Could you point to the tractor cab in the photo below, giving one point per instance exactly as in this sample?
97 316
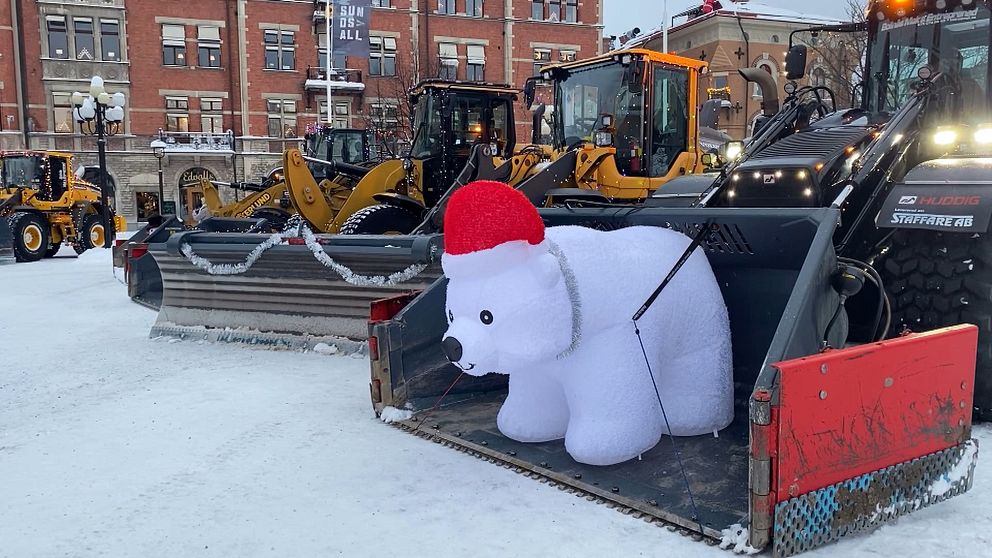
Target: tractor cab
45 173
639 102
450 118
947 40
345 145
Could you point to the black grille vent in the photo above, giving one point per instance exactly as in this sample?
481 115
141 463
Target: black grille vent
822 144
723 239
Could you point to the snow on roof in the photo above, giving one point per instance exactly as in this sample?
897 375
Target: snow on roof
780 14
744 8
335 84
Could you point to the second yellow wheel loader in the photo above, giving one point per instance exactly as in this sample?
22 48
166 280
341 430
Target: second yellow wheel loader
45 205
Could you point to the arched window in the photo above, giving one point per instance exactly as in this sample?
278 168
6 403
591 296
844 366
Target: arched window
768 66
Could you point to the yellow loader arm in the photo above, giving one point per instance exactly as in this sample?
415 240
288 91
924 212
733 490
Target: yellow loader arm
304 192
211 197
311 199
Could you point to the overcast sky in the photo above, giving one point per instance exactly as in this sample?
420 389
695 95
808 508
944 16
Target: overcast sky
621 15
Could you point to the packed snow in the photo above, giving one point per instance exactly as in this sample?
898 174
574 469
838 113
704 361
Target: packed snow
113 444
390 415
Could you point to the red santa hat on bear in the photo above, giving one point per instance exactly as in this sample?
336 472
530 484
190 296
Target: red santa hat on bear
489 226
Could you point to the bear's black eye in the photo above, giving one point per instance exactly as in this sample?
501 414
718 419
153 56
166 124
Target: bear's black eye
486 316
451 316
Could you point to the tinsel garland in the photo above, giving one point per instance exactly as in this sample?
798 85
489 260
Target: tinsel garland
316 249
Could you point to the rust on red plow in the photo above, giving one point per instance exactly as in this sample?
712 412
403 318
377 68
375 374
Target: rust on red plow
862 435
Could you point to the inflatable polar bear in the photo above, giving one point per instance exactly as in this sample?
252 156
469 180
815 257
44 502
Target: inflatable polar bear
553 310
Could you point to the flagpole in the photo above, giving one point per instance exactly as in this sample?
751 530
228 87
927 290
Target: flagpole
664 30
329 15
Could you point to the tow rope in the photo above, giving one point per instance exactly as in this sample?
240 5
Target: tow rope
697 240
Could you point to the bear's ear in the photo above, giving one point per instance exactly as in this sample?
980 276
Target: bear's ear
546 270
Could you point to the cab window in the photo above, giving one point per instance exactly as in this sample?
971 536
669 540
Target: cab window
669 119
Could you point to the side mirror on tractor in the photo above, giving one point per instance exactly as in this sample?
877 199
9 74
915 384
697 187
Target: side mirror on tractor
795 62
530 91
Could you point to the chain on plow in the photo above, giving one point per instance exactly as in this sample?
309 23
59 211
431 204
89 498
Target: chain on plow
316 249
521 469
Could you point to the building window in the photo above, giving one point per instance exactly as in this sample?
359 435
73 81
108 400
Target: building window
473 8
448 53
537 9
446 6
554 10
83 30
208 46
382 56
146 204
380 3
58 37
767 66
280 50
173 45
340 60
177 114
342 113
818 77
476 68
542 56
571 11
62 113
282 118
566 55
110 39
385 114
211 119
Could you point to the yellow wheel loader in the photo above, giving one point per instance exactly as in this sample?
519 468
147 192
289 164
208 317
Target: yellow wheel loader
622 125
45 205
269 199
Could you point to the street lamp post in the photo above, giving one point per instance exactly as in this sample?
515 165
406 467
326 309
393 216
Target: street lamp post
158 147
100 114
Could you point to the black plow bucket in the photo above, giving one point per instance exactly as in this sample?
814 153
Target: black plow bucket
6 243
282 295
772 479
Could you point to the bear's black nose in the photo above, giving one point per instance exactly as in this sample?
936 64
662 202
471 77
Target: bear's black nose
452 349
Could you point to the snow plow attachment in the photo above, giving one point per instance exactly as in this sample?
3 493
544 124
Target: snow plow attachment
823 445
284 290
6 243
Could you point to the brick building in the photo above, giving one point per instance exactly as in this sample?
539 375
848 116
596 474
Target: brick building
232 82
717 38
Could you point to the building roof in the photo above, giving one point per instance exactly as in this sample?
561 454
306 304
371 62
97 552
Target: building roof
744 9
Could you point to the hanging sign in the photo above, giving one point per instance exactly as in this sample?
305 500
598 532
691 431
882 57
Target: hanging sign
351 27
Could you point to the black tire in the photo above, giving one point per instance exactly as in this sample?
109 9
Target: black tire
936 280
52 250
276 218
32 236
381 219
88 235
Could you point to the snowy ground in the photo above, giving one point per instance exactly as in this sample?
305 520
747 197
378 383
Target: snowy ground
142 447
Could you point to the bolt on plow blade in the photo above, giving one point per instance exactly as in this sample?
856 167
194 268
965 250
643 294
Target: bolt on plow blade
780 302
287 292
